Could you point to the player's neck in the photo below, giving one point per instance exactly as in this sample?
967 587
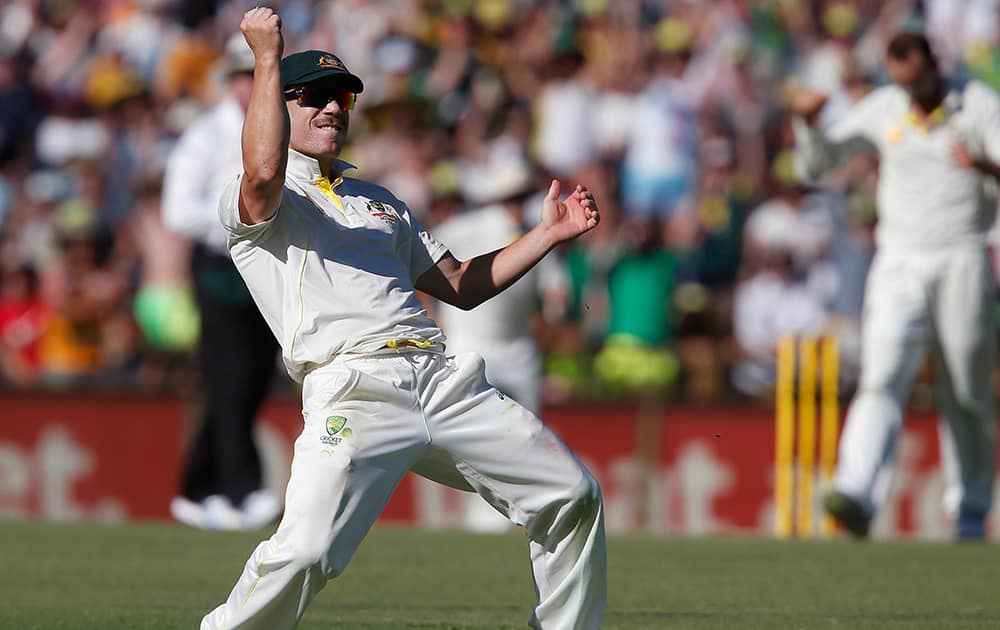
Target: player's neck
927 100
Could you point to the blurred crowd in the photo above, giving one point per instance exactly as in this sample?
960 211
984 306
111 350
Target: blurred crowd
673 112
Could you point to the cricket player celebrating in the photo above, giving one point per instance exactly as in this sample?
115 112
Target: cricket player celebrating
930 286
334 265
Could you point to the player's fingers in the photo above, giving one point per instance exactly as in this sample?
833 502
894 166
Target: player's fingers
255 17
553 190
262 15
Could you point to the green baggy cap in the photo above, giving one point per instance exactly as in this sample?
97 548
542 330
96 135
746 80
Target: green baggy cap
311 65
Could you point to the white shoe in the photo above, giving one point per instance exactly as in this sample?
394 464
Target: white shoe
260 508
220 514
186 511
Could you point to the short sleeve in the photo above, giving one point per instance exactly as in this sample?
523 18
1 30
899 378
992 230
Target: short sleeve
229 213
425 249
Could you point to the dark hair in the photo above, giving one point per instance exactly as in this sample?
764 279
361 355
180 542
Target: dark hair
903 44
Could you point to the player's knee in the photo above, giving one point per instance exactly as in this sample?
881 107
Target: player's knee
575 506
584 495
309 556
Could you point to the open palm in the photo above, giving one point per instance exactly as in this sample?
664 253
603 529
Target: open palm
567 219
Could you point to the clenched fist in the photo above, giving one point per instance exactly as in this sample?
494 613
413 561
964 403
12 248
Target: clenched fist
261 27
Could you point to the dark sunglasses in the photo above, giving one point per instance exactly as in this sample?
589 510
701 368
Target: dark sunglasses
319 96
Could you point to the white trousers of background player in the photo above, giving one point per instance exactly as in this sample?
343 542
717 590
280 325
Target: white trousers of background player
440 417
939 302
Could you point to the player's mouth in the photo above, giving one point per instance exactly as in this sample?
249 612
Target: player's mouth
330 126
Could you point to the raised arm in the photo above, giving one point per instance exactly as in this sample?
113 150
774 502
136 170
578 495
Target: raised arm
470 283
266 127
817 149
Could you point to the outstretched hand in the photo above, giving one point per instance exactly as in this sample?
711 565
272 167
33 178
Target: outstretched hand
261 27
807 104
567 219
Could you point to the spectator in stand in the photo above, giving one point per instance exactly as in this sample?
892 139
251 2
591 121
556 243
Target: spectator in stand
788 283
659 168
222 483
19 109
564 126
22 319
638 356
87 331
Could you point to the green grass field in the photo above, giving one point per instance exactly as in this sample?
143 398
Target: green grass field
164 576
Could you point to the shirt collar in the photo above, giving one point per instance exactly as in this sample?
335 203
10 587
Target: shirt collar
303 167
950 104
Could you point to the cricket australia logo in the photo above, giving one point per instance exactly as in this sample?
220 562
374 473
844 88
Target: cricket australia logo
335 425
325 61
383 212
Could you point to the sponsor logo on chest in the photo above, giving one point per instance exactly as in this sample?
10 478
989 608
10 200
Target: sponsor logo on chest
383 212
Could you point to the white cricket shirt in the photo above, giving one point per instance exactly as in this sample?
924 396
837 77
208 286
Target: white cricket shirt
924 197
333 271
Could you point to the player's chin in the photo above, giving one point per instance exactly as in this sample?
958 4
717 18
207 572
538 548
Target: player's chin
331 147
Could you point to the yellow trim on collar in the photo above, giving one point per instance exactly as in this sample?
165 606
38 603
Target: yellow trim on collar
324 184
933 119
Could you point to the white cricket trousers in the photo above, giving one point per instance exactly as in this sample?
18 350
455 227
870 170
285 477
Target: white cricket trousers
369 419
939 302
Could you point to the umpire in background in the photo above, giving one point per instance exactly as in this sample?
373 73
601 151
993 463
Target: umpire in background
221 483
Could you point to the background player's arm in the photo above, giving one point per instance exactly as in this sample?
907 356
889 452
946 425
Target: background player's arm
266 127
817 149
964 158
467 284
986 157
